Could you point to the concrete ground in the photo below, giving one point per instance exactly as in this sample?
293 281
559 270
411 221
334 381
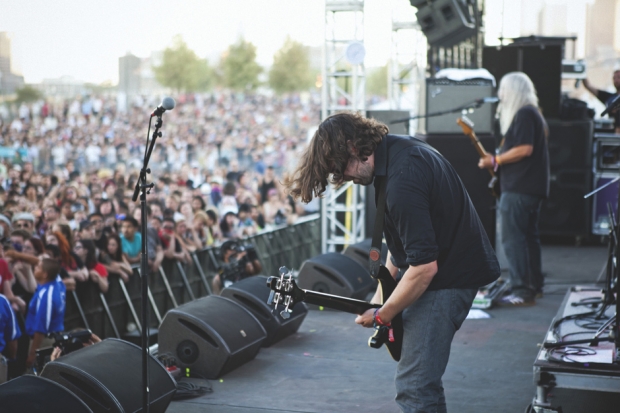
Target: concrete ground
327 367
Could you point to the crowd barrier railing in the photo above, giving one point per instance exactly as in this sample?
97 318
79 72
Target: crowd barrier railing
118 311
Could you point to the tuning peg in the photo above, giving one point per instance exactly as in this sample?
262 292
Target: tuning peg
285 314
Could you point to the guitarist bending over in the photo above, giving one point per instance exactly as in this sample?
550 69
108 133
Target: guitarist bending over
524 163
435 238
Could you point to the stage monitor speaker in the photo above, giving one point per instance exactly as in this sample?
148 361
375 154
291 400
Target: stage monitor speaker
337 274
388 116
108 377
566 212
212 336
461 154
34 394
444 94
359 251
542 64
445 22
252 293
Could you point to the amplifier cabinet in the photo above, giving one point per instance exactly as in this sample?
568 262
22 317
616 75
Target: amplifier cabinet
444 94
606 152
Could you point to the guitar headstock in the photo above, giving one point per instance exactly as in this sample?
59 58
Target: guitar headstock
284 291
466 124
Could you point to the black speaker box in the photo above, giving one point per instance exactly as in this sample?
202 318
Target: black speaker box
252 293
34 394
359 251
542 63
445 22
108 377
212 336
462 155
566 212
337 274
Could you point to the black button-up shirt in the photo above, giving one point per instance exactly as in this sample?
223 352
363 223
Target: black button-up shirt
429 216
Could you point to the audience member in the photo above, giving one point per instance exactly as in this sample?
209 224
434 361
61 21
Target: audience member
46 311
86 250
131 240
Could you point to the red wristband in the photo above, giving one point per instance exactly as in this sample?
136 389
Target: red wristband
378 319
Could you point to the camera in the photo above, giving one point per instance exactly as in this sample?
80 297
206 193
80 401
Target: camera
67 342
235 269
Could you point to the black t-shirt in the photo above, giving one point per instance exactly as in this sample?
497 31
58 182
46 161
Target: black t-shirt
606 98
429 216
531 174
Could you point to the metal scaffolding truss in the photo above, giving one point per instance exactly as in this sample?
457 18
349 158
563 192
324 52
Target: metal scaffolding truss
407 66
343 218
344 80
344 83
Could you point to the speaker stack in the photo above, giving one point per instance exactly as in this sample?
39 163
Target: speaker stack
107 377
566 212
252 293
445 22
461 154
540 59
337 274
212 336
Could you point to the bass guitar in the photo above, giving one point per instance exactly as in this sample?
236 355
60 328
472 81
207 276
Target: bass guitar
284 291
468 129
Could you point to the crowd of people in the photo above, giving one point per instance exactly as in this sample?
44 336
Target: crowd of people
68 176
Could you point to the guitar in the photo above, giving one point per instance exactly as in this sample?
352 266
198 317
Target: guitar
285 291
468 129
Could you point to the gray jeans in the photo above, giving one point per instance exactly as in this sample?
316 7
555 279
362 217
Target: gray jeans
429 327
519 215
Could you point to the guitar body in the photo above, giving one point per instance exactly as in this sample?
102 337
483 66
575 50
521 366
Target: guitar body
284 291
381 336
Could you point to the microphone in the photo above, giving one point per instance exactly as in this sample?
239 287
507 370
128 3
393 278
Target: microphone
166 104
614 104
487 100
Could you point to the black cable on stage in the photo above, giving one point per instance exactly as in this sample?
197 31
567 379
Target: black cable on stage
187 390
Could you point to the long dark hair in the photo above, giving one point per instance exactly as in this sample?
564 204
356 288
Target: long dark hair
118 256
328 153
91 253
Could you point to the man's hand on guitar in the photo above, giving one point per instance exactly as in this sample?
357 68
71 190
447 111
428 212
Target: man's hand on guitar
366 319
486 162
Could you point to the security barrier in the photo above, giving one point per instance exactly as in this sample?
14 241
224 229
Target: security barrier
118 311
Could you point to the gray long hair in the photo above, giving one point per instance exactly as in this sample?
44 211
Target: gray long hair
515 91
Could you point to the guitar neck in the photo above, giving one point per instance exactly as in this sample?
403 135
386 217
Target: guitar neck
479 148
348 305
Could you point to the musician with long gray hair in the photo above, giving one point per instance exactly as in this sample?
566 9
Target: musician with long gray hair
523 163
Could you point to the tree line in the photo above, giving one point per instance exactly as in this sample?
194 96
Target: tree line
183 71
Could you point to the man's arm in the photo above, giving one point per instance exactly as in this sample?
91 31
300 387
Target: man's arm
591 89
413 284
514 154
36 343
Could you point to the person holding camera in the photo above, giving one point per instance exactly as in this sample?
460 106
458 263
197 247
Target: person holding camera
239 262
46 311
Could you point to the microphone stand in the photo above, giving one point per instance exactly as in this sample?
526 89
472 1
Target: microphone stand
471 105
144 188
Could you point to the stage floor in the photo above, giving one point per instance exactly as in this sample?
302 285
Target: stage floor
327 366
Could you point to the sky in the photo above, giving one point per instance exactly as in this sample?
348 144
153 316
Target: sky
85 38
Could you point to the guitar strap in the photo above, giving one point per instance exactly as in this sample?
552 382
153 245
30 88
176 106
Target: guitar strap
374 255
